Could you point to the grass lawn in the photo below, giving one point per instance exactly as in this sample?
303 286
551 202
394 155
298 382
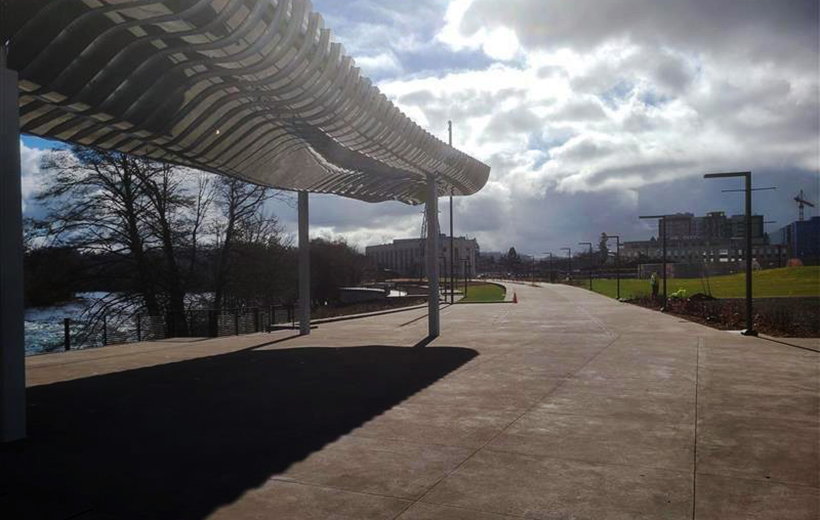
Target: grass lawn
484 292
792 281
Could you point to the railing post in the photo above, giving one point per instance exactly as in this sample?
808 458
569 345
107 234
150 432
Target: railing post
236 321
256 319
139 328
169 327
105 330
213 324
67 334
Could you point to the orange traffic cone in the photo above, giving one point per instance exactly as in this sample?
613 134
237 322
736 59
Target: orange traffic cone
515 298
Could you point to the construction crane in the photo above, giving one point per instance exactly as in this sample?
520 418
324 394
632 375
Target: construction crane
802 203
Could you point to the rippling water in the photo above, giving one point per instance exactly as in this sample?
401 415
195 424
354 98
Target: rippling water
44 325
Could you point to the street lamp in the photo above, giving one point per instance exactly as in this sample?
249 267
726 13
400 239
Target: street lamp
663 232
590 261
747 176
466 274
617 260
569 256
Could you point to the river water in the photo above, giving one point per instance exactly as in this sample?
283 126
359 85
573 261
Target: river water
44 325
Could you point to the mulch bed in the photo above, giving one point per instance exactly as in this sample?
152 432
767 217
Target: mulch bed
778 317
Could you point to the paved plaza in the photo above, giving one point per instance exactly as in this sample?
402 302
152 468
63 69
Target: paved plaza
567 405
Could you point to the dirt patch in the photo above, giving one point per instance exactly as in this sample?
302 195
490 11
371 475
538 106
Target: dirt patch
778 317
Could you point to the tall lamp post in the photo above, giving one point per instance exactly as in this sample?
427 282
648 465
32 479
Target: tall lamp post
617 261
590 261
662 219
747 176
569 257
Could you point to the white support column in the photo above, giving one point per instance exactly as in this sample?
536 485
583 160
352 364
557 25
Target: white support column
433 319
12 339
304 264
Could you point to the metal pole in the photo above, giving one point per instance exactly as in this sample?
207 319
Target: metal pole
12 334
304 265
551 270
452 238
590 261
105 331
750 329
664 261
433 318
67 334
465 277
618 263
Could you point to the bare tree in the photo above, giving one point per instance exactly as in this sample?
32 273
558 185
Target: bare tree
97 205
240 203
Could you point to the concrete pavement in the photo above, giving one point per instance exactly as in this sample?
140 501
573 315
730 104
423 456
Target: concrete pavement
566 405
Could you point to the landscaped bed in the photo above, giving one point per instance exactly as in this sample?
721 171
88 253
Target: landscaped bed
779 317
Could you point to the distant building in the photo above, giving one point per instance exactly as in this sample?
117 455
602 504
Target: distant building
406 256
713 225
694 250
801 239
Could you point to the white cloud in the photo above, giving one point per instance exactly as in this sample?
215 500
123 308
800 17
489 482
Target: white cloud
588 111
379 64
31 178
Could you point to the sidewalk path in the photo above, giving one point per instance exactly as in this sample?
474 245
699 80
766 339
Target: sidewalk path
566 405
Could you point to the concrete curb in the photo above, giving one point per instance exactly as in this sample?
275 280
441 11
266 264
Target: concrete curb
366 315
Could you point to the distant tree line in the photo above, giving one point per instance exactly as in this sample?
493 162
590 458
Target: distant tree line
161 238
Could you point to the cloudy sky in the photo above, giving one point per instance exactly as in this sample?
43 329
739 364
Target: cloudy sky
590 112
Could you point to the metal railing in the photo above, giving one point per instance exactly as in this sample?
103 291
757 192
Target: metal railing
196 323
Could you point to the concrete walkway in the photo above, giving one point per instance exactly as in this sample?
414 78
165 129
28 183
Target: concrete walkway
567 405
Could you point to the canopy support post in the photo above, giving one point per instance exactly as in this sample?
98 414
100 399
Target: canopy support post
304 265
12 334
433 318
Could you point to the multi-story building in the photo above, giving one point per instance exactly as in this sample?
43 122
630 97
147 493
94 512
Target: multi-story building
713 239
801 239
406 256
696 251
713 225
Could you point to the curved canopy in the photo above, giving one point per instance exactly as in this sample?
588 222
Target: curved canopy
254 89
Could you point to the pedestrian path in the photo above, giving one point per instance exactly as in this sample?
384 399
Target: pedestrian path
564 405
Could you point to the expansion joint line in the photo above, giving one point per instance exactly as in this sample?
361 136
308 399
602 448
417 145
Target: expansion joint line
518 418
695 450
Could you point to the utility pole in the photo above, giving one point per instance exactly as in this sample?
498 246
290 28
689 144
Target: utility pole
452 239
590 261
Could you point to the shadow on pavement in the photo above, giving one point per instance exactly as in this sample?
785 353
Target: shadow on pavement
177 441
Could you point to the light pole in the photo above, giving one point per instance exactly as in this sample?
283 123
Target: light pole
747 176
662 219
569 257
466 273
590 261
617 261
